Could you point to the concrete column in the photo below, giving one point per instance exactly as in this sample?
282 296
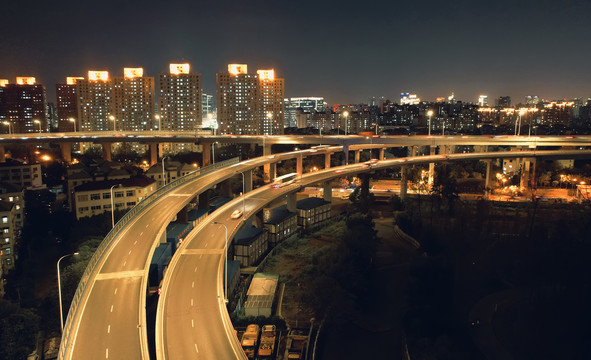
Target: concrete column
206 154
182 215
267 150
204 200
291 202
300 165
106 151
153 153
431 167
527 173
225 188
381 156
327 191
2 154
270 172
248 181
346 154
413 151
66 149
357 155
327 161
403 183
257 220
487 179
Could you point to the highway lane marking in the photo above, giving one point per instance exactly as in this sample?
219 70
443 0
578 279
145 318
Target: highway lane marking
135 242
202 251
129 253
112 308
120 275
196 348
180 195
142 233
107 353
191 302
115 291
109 329
192 323
125 263
195 268
147 226
193 284
205 245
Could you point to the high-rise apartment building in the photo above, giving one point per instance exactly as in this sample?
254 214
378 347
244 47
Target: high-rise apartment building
23 106
532 100
504 101
94 102
249 104
67 105
179 104
132 101
207 106
271 92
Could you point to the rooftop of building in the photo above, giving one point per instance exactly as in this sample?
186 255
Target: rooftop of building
261 291
311 203
247 235
15 163
137 181
278 215
5 205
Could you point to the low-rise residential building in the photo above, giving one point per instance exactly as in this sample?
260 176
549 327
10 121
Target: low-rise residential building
250 244
16 195
312 211
280 224
260 296
18 173
94 198
172 170
8 239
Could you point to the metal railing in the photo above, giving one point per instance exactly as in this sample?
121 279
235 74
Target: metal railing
108 241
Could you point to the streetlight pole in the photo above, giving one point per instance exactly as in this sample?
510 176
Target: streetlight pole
429 114
346 115
74 122
114 120
9 126
59 289
243 195
226 259
163 176
113 206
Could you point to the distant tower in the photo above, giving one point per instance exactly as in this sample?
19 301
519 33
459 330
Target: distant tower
132 102
483 100
238 105
504 101
23 105
94 102
179 99
270 102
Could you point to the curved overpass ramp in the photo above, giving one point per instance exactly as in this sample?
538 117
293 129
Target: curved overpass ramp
192 320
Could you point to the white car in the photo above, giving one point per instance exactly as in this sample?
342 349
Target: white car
236 214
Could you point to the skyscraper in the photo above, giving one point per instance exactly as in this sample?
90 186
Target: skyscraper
132 101
207 105
23 106
67 105
249 104
94 102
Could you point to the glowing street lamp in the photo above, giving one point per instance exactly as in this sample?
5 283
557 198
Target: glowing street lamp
346 114
114 120
429 114
7 123
38 123
159 118
270 119
73 122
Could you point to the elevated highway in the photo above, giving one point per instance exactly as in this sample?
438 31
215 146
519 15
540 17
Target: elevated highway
192 320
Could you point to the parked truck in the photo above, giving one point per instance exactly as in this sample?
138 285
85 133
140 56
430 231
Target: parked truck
267 344
250 339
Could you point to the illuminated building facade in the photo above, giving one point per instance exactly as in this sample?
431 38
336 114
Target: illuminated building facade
504 101
483 100
409 99
207 106
307 105
94 102
67 105
249 104
23 105
179 104
132 101
557 114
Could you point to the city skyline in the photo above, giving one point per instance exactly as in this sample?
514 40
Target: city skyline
343 53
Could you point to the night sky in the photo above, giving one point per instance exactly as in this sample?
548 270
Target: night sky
345 51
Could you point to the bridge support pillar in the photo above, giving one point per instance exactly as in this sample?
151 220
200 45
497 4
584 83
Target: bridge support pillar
66 149
346 154
226 188
327 191
267 150
182 215
153 153
528 173
381 156
291 202
269 171
431 167
300 165
204 200
248 181
106 151
327 161
412 151
357 155
2 154
206 154
487 178
403 183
